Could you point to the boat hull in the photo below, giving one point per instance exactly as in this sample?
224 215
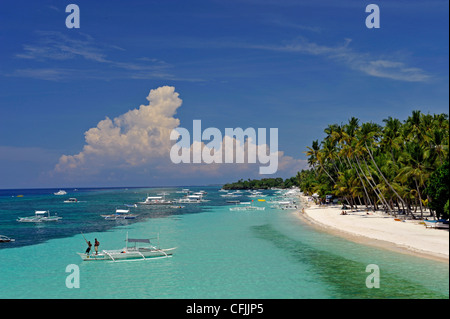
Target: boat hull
156 203
38 220
246 208
140 254
6 240
116 217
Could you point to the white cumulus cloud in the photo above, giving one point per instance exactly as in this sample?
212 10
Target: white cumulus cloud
137 137
137 143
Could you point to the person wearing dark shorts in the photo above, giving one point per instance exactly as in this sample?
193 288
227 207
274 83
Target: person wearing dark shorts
89 247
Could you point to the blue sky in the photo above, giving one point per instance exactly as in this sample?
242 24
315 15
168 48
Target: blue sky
294 65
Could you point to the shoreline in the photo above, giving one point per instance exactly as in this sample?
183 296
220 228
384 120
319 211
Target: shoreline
378 230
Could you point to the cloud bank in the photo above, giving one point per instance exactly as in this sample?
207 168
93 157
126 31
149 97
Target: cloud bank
55 56
360 61
138 142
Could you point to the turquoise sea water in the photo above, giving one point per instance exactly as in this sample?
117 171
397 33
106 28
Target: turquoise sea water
221 253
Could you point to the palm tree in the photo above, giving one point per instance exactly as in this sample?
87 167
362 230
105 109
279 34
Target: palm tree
413 127
389 165
317 157
390 141
414 168
438 147
312 154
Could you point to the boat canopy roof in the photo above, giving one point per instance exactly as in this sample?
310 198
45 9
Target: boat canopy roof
138 240
122 211
41 212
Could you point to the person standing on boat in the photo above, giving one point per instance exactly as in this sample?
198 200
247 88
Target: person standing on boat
96 244
89 247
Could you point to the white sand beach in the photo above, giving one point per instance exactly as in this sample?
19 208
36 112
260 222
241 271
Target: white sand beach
379 229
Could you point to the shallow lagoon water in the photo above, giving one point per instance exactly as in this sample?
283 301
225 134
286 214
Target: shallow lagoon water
221 254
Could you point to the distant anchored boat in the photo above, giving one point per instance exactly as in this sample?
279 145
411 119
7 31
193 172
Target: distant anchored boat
157 200
60 192
5 239
195 198
39 217
120 214
247 207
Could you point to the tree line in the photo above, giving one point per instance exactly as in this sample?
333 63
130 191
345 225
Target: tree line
400 166
265 183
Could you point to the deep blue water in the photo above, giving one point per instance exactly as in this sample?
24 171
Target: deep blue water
83 216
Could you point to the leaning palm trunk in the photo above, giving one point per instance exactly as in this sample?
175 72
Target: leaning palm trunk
374 187
384 178
364 186
420 198
334 182
432 214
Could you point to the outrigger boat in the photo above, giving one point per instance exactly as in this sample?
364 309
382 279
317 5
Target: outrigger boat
128 253
156 200
248 206
196 198
39 217
120 214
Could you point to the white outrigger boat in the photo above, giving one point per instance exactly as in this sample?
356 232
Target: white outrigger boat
196 198
231 195
120 214
157 200
248 206
132 253
39 217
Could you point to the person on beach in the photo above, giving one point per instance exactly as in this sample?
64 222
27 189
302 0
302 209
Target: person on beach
96 244
89 247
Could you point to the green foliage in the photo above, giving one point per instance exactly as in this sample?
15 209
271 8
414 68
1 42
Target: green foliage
446 208
265 183
389 166
438 190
